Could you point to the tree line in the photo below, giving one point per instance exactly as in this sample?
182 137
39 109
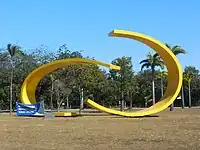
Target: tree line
70 86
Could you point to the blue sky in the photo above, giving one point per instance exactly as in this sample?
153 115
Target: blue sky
84 25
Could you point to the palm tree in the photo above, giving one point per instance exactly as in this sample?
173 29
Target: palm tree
12 50
176 50
188 78
152 61
162 75
182 97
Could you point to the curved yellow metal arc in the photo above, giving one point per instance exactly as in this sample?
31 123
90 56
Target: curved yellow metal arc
174 75
30 83
173 66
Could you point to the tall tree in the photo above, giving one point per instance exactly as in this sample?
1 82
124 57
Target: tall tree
176 49
152 61
189 74
162 75
188 78
62 92
52 79
144 88
12 50
122 77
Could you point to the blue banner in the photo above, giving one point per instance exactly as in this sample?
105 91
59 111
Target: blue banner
30 109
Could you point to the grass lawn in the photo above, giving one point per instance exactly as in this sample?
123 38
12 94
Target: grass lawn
178 130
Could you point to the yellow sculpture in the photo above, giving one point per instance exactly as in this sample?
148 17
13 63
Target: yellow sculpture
32 80
170 60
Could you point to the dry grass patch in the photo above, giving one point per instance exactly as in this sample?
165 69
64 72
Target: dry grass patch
171 130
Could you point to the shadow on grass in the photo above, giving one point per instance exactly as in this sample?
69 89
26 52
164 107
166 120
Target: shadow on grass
118 116
87 115
149 116
95 114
